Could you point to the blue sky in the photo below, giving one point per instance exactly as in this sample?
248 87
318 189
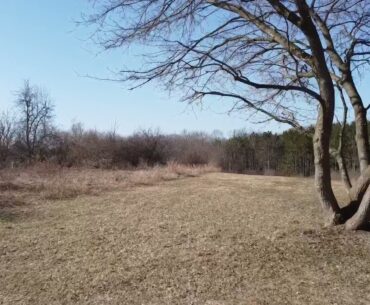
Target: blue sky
41 42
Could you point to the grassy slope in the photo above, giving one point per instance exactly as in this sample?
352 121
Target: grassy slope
217 239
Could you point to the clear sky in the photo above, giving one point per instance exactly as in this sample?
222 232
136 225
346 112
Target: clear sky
41 42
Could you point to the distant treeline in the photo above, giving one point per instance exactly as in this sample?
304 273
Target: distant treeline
32 137
288 153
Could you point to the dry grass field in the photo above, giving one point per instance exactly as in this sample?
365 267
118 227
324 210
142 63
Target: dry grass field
113 237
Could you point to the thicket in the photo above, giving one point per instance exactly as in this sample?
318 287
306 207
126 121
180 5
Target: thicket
288 153
32 137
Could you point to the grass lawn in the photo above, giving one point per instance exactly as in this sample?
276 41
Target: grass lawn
216 239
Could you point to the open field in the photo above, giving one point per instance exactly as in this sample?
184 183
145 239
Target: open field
215 239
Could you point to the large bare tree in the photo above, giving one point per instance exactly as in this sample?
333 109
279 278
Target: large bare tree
276 58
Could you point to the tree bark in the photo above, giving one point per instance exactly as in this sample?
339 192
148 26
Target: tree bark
323 186
362 136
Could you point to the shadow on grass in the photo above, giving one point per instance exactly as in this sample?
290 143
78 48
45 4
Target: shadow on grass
9 186
8 216
10 208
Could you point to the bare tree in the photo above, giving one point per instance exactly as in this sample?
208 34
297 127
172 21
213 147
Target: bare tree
279 59
7 134
35 118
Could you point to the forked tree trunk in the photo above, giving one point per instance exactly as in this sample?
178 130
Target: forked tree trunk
357 211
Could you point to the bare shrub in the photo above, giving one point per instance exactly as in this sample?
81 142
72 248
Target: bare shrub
89 148
7 135
193 149
145 147
34 121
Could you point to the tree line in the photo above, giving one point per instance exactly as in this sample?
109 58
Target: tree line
288 153
31 136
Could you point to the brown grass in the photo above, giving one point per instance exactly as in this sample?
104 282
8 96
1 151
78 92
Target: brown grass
51 182
217 239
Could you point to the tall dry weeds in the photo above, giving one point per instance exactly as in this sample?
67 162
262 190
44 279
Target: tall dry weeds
51 182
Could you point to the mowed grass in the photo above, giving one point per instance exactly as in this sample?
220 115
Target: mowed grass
215 239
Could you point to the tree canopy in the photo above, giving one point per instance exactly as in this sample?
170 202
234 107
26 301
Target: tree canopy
277 58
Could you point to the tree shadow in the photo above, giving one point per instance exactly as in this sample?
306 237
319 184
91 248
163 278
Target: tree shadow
349 210
10 186
8 216
10 208
366 227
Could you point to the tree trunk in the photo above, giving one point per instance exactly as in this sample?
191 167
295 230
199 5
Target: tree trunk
359 188
338 153
362 136
344 174
338 156
321 139
323 186
360 220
